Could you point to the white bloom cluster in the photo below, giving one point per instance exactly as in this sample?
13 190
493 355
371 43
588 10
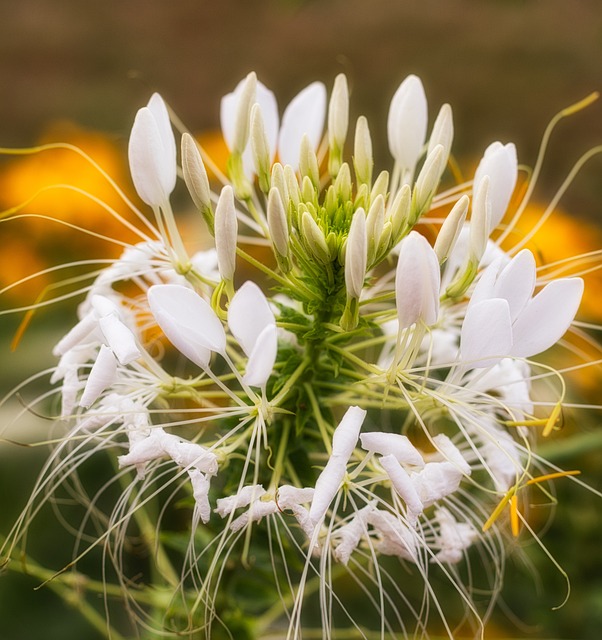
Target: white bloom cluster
368 393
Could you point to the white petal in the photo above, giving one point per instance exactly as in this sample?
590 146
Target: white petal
546 317
516 282
347 432
392 443
499 162
200 493
190 454
119 338
417 281
406 124
436 481
486 333
262 358
187 321
402 483
225 506
303 116
102 376
249 314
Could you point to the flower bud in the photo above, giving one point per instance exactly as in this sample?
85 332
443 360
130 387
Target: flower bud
363 160
381 184
195 177
399 212
443 132
480 220
406 124
277 222
375 222
261 149
417 282
314 238
226 232
356 255
450 229
338 122
308 162
428 181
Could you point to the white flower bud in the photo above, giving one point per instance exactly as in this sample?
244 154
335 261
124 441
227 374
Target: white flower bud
450 229
308 162
338 122
314 238
500 164
246 99
226 232
480 221
443 132
399 211
195 175
152 153
277 222
417 282
375 221
278 181
261 149
381 184
406 124
363 160
428 180
356 255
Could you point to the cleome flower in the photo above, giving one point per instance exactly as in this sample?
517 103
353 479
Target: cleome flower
362 407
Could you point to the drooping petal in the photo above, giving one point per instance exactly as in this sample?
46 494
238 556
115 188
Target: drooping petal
486 335
304 115
417 281
402 483
406 124
102 376
546 318
395 444
187 321
499 162
120 338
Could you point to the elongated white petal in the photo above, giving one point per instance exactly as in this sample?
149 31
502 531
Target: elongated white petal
516 282
402 483
499 162
417 281
249 314
120 338
486 335
546 318
406 123
187 321
344 441
303 116
102 376
392 443
261 361
76 335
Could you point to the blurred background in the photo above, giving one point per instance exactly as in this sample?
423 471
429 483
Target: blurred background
78 71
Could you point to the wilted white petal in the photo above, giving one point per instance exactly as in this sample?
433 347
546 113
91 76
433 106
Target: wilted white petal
200 493
350 534
392 443
102 376
225 506
499 162
187 321
546 318
303 116
190 454
257 510
406 123
76 335
288 496
486 335
145 450
436 481
396 538
453 537
417 281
